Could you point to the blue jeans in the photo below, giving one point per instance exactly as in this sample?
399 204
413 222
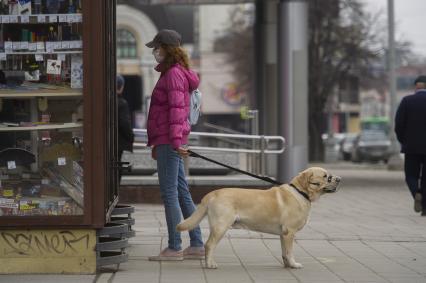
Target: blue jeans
175 195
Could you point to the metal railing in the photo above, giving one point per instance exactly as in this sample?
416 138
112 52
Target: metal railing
263 149
220 129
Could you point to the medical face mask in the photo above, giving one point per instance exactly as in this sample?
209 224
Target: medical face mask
158 57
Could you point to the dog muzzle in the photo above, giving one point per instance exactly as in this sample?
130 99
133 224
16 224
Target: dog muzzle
332 184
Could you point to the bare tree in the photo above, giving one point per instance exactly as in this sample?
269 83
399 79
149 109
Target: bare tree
237 42
342 43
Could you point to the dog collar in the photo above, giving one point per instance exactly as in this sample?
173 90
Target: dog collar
305 195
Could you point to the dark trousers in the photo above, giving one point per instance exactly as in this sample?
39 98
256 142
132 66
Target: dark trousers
415 174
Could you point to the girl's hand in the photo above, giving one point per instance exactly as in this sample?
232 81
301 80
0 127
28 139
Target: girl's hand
154 153
183 152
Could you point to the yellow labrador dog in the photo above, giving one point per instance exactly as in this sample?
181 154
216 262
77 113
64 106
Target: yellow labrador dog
282 210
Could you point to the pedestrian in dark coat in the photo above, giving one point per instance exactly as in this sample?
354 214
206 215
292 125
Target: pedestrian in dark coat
125 130
410 129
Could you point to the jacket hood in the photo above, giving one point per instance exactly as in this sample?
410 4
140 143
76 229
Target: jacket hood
190 75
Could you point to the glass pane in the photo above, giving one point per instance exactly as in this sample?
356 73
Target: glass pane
126 44
41 108
133 52
126 51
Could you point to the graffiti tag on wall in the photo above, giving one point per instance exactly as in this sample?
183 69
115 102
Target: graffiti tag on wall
43 243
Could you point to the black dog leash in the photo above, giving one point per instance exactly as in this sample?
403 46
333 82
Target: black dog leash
266 179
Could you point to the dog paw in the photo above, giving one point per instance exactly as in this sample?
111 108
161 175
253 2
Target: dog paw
286 262
211 265
291 263
296 265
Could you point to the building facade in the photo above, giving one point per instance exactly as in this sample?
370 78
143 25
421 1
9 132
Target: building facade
138 24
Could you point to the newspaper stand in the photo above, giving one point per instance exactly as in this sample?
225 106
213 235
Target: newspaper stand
58 145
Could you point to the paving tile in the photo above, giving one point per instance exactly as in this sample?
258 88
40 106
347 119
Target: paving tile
47 278
228 273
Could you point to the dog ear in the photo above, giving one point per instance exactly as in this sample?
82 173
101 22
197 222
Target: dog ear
302 179
307 175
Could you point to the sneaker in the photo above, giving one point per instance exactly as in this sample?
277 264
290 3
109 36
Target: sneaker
168 255
418 202
194 253
424 213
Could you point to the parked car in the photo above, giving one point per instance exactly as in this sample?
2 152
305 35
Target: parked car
346 146
371 146
332 146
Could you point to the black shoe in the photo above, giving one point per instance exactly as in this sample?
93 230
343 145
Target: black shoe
418 202
424 213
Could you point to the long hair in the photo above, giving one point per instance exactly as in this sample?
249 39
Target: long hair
175 55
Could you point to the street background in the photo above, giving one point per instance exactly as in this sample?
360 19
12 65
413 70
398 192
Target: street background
366 232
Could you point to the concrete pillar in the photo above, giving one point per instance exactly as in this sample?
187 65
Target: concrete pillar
266 65
293 86
266 73
259 58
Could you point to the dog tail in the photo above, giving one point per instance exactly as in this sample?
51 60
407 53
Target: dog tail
196 217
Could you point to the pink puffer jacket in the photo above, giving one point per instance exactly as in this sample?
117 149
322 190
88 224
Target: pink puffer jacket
169 108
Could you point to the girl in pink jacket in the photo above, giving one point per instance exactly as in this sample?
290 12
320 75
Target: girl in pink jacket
168 130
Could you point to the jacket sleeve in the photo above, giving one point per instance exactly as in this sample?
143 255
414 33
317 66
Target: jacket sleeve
400 121
175 84
124 121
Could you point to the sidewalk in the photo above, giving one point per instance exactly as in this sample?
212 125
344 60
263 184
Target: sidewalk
366 232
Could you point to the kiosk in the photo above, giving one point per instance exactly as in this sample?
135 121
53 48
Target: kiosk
58 145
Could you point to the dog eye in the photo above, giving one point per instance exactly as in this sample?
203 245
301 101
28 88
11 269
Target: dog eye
325 176
316 184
